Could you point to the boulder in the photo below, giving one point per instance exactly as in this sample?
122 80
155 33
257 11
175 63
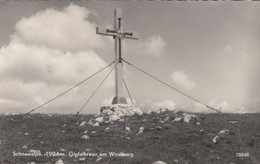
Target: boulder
83 123
114 118
177 119
85 137
223 131
99 119
188 117
140 131
215 139
127 129
96 124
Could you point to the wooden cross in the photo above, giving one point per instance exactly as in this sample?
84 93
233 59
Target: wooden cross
118 35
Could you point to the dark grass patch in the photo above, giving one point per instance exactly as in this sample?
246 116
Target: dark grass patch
162 139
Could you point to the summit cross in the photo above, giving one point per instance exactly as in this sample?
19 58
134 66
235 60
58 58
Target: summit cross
118 34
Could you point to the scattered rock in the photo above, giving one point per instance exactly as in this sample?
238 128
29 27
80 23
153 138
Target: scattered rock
140 131
96 124
161 110
127 129
167 118
159 162
114 118
162 122
24 147
63 131
93 132
42 142
188 117
83 123
26 134
59 162
215 139
158 128
62 150
31 163
91 122
107 129
99 119
198 123
64 125
233 121
223 131
85 131
85 137
177 119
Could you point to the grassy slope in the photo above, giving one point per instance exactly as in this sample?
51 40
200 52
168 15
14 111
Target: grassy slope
178 142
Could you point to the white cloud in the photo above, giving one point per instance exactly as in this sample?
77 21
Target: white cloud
222 106
149 105
166 104
66 30
198 107
182 79
48 53
154 46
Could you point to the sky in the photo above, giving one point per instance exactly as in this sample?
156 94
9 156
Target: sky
208 50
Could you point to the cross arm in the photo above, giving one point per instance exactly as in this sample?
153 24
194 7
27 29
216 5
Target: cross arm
105 31
131 35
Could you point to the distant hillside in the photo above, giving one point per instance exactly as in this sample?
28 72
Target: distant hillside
167 136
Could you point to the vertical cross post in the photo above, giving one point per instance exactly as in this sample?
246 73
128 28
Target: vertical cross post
118 35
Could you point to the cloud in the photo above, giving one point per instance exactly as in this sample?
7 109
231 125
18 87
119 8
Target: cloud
48 53
166 104
66 30
182 79
222 106
153 46
149 105
198 107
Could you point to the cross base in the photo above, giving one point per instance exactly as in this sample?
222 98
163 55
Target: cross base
119 100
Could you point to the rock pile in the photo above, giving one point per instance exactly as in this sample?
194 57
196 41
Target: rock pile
117 112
